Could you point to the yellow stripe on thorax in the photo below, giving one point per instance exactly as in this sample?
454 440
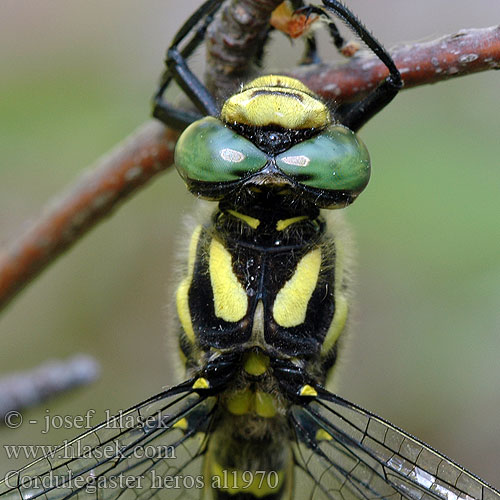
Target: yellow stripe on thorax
337 325
290 306
341 305
230 299
182 296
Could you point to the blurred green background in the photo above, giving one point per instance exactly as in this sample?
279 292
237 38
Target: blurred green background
76 78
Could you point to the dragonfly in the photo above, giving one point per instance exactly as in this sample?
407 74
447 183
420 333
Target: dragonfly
262 310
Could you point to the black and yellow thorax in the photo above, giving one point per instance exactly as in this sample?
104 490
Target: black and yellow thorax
259 284
266 284
264 273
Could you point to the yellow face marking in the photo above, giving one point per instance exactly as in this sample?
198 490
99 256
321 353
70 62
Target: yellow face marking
283 224
252 222
181 424
230 299
249 483
201 383
291 302
279 81
322 435
276 100
256 363
240 403
182 296
307 390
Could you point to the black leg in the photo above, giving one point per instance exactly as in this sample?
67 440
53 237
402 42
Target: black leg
178 70
355 115
310 55
335 35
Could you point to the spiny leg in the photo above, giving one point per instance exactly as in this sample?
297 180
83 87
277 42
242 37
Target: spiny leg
355 115
178 70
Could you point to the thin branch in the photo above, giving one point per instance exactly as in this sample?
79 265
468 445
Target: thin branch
94 196
150 150
463 53
19 391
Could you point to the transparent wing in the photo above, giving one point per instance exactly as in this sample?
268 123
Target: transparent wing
344 452
153 449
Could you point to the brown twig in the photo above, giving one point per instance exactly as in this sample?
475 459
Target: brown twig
150 150
463 53
26 389
94 195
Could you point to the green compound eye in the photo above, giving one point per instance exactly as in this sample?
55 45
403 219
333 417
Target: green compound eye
335 160
208 151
